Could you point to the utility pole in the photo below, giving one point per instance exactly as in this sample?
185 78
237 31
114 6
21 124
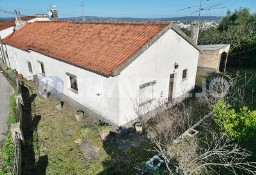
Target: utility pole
83 9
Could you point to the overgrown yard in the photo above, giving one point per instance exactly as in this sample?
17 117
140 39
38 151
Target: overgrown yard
62 145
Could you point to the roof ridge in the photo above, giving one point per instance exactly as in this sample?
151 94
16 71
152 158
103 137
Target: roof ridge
111 22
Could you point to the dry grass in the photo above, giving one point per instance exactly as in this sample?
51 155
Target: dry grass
57 133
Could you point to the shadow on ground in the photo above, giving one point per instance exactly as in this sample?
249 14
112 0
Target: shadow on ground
128 151
30 150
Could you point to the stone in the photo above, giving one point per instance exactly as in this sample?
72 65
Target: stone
89 151
78 141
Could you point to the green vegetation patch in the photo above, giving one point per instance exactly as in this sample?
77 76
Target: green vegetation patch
7 151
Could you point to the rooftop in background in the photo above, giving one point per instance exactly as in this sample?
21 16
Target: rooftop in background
212 47
100 47
11 23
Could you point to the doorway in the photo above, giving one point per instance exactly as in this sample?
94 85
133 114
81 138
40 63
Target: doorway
171 86
223 61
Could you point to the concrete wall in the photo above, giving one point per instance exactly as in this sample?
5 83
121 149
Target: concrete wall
209 60
156 64
114 98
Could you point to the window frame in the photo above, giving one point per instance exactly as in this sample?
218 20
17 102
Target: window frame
142 88
42 68
73 83
30 69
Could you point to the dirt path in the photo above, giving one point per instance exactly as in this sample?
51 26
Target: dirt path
5 91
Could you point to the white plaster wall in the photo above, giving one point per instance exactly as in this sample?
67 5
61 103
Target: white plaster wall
96 92
19 60
4 33
157 63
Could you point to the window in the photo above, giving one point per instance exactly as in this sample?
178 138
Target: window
146 92
185 74
73 81
30 67
42 68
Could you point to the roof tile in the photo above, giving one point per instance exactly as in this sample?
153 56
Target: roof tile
97 46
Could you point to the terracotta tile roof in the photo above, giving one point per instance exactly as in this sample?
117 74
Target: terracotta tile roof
100 47
10 23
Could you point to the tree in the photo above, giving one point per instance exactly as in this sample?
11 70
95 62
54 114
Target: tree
238 29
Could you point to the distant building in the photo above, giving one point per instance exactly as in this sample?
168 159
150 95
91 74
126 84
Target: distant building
41 16
106 69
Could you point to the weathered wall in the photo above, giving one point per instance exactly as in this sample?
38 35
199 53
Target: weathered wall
209 59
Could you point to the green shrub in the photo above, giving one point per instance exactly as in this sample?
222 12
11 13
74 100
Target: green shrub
7 154
237 124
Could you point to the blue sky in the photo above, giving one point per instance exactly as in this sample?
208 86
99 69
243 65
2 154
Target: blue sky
123 8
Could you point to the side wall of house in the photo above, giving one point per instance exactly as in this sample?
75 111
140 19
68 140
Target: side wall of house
97 93
93 89
156 65
18 59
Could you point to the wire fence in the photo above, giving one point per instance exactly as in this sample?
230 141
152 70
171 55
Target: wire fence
17 155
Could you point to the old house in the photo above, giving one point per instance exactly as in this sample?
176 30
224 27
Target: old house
213 58
106 68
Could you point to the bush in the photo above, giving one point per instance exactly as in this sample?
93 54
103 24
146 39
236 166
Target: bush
7 154
237 124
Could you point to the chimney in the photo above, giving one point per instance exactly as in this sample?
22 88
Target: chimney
195 31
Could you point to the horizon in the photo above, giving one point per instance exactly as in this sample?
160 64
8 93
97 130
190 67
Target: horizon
127 17
124 9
